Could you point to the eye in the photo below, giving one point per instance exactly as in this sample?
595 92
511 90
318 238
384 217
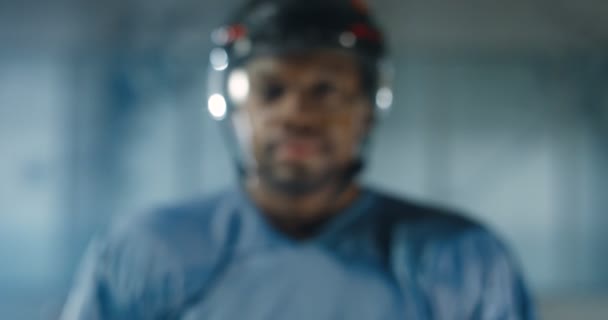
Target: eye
323 89
273 91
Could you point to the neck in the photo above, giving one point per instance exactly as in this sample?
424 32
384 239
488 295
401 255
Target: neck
301 216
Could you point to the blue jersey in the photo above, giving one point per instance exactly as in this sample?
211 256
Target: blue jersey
382 258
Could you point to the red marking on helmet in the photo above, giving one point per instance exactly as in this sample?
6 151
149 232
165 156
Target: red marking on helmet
236 32
360 5
364 31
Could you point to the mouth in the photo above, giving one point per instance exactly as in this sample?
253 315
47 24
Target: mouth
298 149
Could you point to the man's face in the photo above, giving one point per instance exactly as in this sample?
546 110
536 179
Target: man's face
305 117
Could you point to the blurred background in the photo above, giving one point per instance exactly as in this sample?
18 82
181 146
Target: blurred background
501 111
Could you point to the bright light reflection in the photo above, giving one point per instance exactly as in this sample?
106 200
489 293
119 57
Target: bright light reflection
238 85
217 106
348 40
219 59
384 98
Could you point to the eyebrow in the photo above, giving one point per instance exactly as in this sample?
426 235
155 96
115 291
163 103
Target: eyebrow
264 75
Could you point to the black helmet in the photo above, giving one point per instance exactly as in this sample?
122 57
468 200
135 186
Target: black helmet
281 26
272 25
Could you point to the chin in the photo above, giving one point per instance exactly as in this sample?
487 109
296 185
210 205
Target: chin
297 182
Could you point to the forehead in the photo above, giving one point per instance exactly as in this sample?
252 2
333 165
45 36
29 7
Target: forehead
327 62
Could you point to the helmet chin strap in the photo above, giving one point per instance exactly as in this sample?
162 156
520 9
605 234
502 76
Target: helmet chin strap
353 169
348 176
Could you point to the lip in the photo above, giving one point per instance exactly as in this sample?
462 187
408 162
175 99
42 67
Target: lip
298 149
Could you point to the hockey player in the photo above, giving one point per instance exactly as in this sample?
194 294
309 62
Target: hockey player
296 86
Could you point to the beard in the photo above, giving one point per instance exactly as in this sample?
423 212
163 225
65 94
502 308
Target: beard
294 179
300 181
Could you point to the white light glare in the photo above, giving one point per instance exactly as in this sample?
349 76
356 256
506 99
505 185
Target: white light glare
348 39
220 36
217 106
219 59
384 98
238 85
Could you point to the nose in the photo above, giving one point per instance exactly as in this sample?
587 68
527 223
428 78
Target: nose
297 104
299 114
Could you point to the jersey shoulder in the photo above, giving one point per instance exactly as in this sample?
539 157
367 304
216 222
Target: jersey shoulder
455 258
428 228
160 258
425 218
180 223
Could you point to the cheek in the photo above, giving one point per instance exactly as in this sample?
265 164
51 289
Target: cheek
347 135
258 135
242 126
249 133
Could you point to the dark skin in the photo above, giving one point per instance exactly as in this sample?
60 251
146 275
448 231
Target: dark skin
303 121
